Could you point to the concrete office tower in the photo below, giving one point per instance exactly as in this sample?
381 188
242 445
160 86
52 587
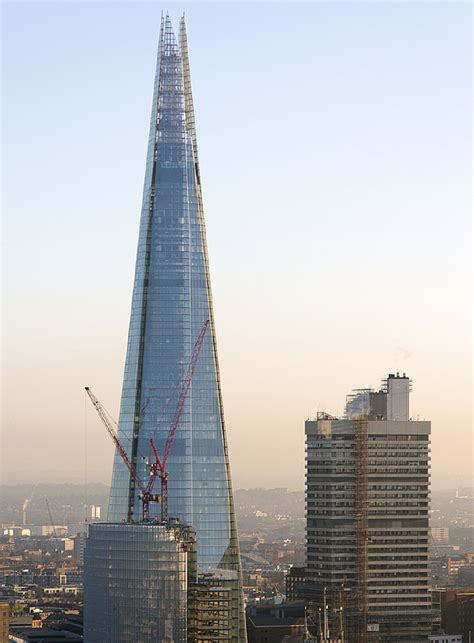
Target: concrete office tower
171 303
367 495
136 579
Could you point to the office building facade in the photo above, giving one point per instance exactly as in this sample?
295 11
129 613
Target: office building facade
367 494
137 578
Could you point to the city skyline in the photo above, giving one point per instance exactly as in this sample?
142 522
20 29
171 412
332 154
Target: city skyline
344 235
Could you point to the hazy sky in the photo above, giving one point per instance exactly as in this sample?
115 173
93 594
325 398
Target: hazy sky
335 149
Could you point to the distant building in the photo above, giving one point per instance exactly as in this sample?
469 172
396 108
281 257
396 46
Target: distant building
78 548
136 579
466 576
295 583
62 589
456 563
16 531
367 484
67 544
457 611
36 621
440 535
4 622
58 531
45 635
453 564
275 623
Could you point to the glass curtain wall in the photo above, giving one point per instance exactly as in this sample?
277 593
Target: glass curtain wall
136 579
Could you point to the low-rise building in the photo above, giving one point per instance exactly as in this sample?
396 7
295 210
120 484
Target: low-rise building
457 610
78 548
43 635
440 535
295 583
274 623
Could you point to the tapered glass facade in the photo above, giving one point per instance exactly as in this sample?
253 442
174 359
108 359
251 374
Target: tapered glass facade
171 302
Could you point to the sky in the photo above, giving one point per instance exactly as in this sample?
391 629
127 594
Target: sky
335 152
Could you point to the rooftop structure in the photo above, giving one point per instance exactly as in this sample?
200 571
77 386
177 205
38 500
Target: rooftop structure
274 623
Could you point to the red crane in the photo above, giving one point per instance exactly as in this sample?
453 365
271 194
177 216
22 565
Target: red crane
146 491
157 467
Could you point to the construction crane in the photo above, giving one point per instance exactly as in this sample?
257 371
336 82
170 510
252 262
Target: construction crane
53 526
157 468
146 491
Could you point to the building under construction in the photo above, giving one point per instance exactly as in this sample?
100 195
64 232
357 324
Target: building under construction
367 496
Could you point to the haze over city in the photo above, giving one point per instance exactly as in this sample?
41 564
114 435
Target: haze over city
337 198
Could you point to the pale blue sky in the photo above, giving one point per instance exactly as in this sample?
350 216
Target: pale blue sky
335 147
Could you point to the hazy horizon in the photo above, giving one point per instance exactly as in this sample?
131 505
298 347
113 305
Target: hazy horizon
91 483
335 152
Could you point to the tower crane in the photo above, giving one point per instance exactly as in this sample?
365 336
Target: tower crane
53 526
156 468
146 491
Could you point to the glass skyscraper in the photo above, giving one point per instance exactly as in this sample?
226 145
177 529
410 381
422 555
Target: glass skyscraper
171 302
137 580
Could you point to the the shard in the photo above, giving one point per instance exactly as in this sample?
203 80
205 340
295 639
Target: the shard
171 302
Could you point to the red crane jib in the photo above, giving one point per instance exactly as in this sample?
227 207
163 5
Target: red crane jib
157 467
184 392
106 420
